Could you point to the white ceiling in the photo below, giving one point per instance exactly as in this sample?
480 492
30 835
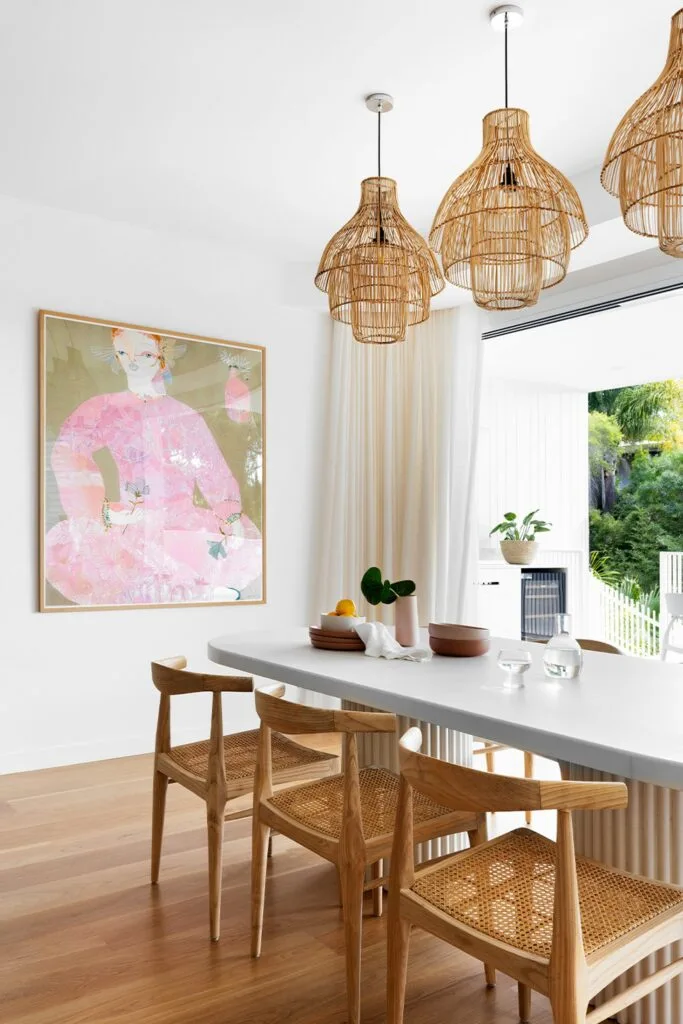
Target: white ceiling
633 344
245 122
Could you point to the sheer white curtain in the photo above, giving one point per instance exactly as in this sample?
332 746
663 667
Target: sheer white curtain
398 477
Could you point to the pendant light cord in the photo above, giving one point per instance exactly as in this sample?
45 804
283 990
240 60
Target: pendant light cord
379 143
506 60
380 229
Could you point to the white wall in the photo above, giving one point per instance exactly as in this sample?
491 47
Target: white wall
533 453
76 686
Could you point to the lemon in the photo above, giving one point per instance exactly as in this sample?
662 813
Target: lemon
331 613
346 607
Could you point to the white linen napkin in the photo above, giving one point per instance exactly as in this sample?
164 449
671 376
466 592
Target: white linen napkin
379 643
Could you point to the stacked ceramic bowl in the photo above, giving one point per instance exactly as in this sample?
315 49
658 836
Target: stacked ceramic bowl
337 633
455 641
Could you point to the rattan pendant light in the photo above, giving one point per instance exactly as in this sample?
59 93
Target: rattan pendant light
507 225
644 161
379 273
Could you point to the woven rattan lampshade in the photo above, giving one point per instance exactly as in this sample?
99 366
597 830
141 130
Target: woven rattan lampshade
506 226
378 271
644 161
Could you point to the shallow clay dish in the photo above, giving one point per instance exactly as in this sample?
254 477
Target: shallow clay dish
324 643
454 641
454 631
329 634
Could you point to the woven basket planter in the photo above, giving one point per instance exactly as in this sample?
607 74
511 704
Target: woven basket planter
519 552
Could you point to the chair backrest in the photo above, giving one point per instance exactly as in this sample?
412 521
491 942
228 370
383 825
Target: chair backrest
465 789
170 678
289 717
598 645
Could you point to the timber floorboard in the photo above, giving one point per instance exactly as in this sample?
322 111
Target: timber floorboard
85 938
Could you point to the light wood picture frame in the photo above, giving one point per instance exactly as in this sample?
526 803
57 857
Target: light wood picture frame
152 467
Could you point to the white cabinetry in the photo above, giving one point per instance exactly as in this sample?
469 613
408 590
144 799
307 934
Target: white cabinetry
499 595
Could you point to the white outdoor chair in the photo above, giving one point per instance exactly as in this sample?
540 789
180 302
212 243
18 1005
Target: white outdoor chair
674 606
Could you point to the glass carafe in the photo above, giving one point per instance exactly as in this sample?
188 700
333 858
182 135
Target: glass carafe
562 658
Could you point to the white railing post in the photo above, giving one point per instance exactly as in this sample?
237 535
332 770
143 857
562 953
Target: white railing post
670 582
619 620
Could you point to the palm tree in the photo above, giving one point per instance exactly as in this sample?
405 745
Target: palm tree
645 411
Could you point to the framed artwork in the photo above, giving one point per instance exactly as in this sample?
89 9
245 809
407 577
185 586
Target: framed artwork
152 467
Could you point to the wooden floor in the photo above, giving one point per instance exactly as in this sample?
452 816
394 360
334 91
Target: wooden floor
85 938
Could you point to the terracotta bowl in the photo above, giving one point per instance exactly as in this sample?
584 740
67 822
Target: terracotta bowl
454 641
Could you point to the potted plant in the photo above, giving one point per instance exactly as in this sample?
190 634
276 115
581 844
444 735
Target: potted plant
377 590
518 543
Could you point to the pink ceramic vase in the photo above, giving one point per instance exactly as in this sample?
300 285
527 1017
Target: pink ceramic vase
407 629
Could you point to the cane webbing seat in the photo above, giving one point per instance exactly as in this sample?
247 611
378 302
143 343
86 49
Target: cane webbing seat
318 805
349 818
505 890
219 770
240 756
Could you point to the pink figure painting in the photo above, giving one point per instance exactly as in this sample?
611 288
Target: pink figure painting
237 394
154 543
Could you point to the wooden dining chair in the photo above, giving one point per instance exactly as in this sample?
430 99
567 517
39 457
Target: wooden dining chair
598 645
560 924
489 749
217 770
347 819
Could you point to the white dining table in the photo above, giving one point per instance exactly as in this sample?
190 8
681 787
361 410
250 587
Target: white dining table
622 719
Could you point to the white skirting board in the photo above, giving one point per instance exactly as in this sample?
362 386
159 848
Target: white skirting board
645 839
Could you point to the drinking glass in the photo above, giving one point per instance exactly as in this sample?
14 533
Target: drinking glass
514 663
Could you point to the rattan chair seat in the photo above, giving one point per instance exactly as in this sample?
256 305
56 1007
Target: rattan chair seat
240 756
318 805
505 889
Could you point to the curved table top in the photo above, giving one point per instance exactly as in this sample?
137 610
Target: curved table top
623 715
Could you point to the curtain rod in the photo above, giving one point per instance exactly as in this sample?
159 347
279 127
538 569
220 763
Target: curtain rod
588 310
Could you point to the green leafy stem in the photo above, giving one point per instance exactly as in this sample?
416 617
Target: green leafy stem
512 529
377 590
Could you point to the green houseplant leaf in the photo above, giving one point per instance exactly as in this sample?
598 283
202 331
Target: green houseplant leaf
403 588
377 590
372 586
511 529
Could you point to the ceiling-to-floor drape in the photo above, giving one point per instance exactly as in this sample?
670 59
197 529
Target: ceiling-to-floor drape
397 486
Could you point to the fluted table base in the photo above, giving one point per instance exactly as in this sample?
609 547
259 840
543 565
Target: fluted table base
646 839
382 749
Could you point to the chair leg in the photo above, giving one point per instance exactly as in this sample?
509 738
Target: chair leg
490 760
376 871
476 838
352 877
524 998
398 946
160 788
260 841
568 1012
214 823
528 774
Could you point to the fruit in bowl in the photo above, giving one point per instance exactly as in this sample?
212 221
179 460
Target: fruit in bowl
343 619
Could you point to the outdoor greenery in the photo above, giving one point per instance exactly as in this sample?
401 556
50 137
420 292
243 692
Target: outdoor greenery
636 466
644 412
